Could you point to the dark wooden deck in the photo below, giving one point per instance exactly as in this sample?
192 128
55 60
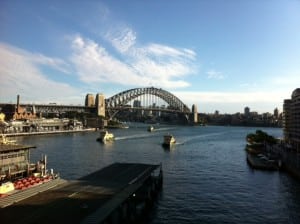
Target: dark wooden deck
88 200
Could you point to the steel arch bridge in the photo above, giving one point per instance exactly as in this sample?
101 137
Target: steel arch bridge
120 100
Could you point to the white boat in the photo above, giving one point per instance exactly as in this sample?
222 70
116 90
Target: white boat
169 140
150 128
105 136
6 187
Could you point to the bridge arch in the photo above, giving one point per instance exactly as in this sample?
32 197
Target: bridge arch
125 97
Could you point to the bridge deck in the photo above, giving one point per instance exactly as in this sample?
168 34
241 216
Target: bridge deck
88 199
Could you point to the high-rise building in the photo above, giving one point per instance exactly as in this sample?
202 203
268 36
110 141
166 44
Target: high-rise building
89 100
100 104
291 120
247 111
276 113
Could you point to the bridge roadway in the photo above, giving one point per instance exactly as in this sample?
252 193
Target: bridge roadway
89 199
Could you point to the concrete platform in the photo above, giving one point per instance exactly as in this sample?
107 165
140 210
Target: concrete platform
89 199
260 164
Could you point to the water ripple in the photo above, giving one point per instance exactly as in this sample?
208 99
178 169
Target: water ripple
206 177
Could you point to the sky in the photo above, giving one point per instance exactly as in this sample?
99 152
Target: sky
219 55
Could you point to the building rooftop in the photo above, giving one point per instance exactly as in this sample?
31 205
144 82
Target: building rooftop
296 93
14 147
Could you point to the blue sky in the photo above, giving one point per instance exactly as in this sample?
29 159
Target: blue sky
217 54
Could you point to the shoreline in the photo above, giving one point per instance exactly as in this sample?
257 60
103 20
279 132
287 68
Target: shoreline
47 132
284 159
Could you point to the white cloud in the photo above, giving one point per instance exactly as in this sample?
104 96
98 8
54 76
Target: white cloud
234 101
162 50
55 63
248 85
212 74
286 80
20 74
121 39
154 64
95 64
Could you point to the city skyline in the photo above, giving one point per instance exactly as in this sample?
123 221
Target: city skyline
219 56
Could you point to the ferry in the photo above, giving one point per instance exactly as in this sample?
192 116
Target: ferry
169 140
16 171
105 136
150 128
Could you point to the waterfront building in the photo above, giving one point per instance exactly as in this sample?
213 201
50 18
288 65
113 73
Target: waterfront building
14 160
276 113
247 111
17 112
138 104
41 125
291 120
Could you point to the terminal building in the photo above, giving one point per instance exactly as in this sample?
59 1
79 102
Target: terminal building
14 160
291 120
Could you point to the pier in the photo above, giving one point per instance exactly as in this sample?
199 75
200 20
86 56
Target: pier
17 134
119 193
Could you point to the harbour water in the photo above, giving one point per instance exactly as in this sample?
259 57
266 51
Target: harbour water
206 176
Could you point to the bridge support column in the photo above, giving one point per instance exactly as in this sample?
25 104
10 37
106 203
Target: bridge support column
195 113
100 105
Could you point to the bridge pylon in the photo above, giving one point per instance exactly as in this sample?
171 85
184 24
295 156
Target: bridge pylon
100 105
194 114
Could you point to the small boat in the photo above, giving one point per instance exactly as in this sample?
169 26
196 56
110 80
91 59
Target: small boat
6 187
168 140
150 128
105 136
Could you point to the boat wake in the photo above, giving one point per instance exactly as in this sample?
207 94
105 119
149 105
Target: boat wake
133 136
163 129
188 139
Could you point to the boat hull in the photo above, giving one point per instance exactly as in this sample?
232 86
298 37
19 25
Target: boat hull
169 140
105 136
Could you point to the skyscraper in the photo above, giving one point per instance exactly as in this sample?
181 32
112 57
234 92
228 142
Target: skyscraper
291 120
276 113
247 111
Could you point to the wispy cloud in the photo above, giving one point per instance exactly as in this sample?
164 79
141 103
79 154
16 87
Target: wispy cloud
121 39
35 58
151 64
163 50
95 64
213 74
54 63
263 101
286 80
20 74
248 85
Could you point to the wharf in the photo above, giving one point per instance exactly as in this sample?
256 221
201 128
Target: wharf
261 164
110 195
47 132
